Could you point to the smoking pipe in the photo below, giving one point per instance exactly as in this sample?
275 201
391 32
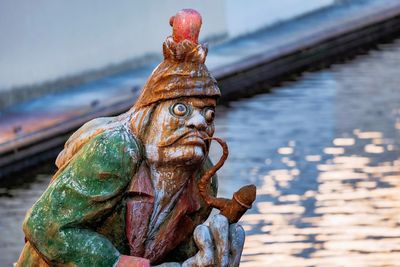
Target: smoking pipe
241 201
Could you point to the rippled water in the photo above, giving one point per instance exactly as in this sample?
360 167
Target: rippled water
324 154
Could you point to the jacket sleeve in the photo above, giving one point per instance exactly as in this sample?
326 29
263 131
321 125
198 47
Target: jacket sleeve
60 223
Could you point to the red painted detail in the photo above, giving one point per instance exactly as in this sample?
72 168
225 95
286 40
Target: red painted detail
139 207
186 25
130 261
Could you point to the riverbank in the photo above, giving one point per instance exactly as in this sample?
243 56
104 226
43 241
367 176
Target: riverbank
36 130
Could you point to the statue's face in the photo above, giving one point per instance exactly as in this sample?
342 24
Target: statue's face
178 130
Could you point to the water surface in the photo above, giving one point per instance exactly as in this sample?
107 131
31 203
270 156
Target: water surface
324 154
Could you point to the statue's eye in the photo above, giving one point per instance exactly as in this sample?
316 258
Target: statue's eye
209 115
180 109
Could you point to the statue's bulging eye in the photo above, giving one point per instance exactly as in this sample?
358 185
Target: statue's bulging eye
179 109
209 115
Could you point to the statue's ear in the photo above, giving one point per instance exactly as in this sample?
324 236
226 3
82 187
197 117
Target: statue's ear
140 119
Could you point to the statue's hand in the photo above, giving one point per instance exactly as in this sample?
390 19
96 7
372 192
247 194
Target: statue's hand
220 244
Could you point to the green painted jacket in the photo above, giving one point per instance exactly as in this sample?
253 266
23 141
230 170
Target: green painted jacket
80 219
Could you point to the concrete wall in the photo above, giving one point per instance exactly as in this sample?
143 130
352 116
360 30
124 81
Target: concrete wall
45 40
247 16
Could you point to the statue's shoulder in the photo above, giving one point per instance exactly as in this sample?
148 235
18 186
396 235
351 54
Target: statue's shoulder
122 138
104 132
115 150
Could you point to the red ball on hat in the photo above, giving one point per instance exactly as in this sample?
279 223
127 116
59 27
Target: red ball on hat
186 25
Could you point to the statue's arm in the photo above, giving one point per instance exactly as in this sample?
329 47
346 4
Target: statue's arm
60 224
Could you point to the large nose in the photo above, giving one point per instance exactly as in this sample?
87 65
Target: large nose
197 121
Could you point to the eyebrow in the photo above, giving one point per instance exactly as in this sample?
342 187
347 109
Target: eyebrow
202 103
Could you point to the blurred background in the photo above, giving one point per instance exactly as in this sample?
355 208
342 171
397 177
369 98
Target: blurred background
51 40
310 110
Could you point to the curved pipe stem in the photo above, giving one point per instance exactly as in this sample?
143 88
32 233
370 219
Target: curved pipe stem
234 208
218 203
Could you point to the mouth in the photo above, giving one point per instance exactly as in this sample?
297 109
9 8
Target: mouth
190 138
194 140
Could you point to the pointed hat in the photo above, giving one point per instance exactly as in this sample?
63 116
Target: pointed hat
182 72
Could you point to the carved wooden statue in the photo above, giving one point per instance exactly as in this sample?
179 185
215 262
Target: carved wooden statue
134 190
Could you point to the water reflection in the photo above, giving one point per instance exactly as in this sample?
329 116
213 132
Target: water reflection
324 153
15 199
